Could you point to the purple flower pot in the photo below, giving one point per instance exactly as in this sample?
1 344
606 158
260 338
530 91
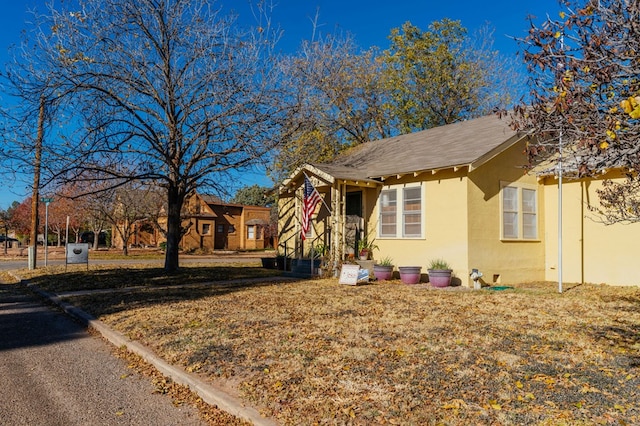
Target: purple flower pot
439 277
383 272
410 274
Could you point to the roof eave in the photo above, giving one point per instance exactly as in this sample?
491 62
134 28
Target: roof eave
290 182
497 150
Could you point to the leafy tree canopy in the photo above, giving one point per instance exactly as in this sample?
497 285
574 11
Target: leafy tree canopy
254 195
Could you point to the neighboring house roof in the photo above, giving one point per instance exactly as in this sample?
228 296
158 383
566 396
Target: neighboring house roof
210 199
464 144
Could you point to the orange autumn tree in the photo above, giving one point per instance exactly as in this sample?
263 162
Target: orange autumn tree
585 97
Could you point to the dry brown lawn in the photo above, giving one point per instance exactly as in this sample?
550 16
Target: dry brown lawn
317 352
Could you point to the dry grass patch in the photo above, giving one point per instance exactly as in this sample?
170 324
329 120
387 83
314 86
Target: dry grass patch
103 276
316 352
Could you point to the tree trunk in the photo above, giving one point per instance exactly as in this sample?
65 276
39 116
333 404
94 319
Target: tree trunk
35 195
174 228
96 239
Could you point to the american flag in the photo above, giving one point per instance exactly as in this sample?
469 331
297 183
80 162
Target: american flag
309 203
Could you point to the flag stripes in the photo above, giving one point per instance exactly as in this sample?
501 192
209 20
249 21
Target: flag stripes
310 201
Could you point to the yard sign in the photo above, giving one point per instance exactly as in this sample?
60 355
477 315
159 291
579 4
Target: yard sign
77 253
349 274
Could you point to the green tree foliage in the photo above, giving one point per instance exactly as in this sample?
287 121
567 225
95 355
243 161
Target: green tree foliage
585 96
254 195
442 75
8 219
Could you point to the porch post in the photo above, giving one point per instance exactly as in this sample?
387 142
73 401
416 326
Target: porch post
343 216
336 225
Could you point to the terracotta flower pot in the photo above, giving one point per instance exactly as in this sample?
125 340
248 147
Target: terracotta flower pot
439 277
410 274
383 272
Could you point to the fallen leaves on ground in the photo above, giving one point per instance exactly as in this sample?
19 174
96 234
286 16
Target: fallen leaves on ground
181 395
316 352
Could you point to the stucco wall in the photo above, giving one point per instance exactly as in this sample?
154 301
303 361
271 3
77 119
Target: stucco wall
591 251
502 261
444 225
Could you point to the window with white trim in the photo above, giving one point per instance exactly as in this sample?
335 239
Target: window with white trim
400 212
412 212
388 213
519 212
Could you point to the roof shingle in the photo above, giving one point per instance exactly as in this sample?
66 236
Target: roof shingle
456 144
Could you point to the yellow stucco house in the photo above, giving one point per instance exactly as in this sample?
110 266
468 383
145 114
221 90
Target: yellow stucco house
459 192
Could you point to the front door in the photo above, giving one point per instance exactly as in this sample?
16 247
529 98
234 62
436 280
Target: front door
354 222
220 239
354 203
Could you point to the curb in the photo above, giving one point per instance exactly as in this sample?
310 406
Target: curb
208 393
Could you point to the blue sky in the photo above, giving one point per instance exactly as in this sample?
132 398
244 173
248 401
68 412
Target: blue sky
369 21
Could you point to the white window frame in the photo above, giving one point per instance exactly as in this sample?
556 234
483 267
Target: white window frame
389 191
401 214
411 214
521 211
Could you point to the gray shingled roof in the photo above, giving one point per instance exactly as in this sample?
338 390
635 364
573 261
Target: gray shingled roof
457 144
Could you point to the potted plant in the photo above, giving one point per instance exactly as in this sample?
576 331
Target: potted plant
410 274
383 270
365 248
439 273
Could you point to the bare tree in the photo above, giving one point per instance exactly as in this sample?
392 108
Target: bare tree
127 207
175 91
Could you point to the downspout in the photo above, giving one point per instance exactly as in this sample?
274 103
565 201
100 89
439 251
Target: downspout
583 189
560 216
343 203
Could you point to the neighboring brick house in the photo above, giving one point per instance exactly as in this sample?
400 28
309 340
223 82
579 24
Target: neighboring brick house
212 225
215 225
